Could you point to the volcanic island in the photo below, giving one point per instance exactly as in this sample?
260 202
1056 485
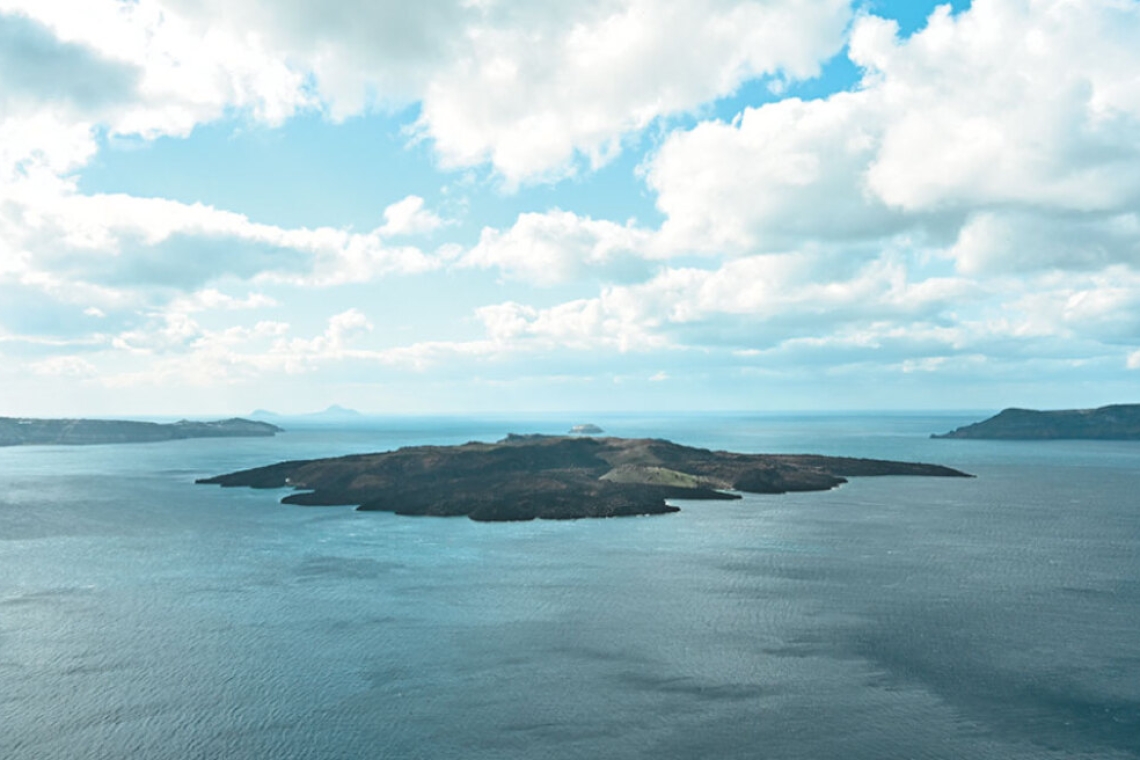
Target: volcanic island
524 477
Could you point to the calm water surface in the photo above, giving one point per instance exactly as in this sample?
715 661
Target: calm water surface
143 616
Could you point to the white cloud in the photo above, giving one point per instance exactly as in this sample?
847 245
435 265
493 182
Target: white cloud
178 349
763 312
342 329
190 69
125 243
37 146
175 330
1102 306
529 97
1012 112
1029 102
612 321
994 242
780 174
64 366
556 247
807 309
409 217
973 203
212 299
525 87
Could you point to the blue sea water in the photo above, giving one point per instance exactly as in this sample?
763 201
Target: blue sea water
142 616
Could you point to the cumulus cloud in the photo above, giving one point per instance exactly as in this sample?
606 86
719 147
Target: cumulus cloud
409 217
777 175
178 349
120 242
189 69
744 304
803 310
342 329
36 68
1026 102
974 201
557 246
1020 241
607 322
529 97
1001 140
524 87
1010 112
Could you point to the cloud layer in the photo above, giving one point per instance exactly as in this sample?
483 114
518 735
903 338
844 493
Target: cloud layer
971 208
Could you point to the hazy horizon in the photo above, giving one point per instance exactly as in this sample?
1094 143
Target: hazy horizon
323 416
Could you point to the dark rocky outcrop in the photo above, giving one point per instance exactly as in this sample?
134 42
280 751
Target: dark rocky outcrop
15 431
524 477
1117 422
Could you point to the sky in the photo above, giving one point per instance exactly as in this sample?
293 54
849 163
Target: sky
472 206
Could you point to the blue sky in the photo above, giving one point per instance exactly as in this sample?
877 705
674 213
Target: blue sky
210 206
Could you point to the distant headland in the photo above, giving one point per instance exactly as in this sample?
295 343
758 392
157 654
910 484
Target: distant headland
1116 422
524 477
18 431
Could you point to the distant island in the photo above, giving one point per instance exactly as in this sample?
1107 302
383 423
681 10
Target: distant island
18 431
1117 422
524 477
333 414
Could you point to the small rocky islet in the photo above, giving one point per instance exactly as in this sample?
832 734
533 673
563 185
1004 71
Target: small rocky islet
524 477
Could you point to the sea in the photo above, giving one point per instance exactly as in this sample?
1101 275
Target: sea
143 616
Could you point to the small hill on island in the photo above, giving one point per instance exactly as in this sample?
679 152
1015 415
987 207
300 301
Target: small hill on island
1116 422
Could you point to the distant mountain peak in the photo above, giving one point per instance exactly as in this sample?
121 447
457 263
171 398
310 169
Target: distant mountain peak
333 412
341 411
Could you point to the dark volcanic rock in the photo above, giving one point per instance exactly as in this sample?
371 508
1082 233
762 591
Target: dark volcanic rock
1118 422
27 432
524 477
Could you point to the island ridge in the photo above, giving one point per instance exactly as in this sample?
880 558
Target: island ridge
1119 422
21 431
